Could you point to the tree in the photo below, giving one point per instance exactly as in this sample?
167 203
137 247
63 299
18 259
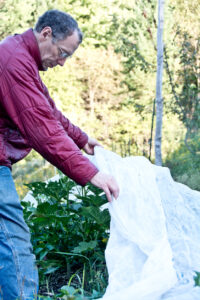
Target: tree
182 61
159 99
186 99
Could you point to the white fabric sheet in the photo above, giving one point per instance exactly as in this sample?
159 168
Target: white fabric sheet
154 244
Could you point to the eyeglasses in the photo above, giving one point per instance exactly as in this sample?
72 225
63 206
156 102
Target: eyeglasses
62 53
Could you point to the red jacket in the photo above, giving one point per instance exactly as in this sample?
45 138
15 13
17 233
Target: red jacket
28 116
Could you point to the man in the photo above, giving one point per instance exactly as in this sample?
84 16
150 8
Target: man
29 119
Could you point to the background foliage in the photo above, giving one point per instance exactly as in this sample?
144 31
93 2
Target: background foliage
108 87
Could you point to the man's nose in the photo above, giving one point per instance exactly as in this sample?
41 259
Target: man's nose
61 61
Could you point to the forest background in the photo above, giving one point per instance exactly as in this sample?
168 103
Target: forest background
108 87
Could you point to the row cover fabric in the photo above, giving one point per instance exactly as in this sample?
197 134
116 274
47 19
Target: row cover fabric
154 244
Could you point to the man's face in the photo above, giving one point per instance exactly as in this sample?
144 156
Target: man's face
56 53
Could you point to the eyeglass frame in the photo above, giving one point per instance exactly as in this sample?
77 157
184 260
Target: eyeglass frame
63 54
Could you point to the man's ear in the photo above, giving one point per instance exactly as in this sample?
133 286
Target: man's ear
46 33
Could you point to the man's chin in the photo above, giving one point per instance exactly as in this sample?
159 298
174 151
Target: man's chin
44 67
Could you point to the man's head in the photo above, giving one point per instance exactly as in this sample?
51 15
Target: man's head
58 36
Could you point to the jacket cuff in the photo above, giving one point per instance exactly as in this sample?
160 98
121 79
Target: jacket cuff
81 170
85 180
82 141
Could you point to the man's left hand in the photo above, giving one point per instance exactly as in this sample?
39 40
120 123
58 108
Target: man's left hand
89 147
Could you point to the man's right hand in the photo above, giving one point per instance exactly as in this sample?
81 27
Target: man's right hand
107 183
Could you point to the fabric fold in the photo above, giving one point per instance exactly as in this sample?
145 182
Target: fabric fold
151 249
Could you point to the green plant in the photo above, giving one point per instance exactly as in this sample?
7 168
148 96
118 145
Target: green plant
185 166
69 231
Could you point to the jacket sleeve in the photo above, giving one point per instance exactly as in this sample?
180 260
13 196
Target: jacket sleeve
79 137
31 112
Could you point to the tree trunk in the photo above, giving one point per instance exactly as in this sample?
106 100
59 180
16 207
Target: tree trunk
159 99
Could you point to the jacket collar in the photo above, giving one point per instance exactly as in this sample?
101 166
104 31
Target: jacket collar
32 45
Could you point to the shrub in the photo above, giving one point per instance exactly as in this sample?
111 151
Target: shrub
185 166
69 231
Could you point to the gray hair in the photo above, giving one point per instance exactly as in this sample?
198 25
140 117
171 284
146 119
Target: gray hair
61 23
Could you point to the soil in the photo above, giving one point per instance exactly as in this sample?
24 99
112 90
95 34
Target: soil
54 282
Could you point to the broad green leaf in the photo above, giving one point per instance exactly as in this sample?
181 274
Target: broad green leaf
68 290
85 246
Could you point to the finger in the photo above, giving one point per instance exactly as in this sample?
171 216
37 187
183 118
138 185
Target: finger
108 194
95 143
114 189
91 150
116 194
